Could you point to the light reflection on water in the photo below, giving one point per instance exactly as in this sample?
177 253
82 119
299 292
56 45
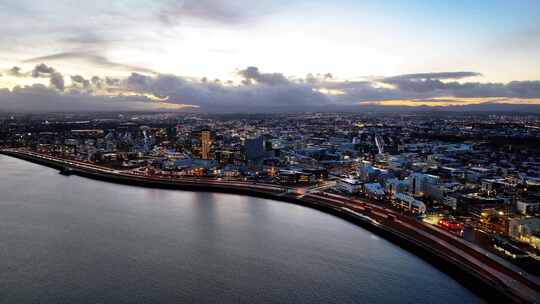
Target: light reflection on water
75 240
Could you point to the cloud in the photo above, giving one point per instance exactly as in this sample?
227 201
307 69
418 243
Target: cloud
426 82
57 81
427 85
525 89
112 81
16 72
219 11
269 92
318 78
252 74
431 76
41 99
42 70
79 80
91 58
274 92
97 82
85 38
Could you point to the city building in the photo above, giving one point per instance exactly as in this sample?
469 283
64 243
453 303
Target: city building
410 203
206 143
526 229
349 185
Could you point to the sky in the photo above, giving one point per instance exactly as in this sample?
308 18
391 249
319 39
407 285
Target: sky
266 55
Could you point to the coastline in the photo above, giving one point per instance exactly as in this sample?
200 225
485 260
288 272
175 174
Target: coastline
491 287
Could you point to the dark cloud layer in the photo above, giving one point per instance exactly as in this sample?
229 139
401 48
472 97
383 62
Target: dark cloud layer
267 94
425 87
427 82
38 99
259 91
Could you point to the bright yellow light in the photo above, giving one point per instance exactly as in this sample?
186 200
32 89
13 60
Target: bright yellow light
9 82
452 101
160 102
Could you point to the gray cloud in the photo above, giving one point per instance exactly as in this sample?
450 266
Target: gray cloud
273 92
318 79
16 71
525 89
431 88
57 81
97 82
219 11
112 81
42 70
269 93
39 99
252 74
85 38
91 58
430 76
79 80
427 82
427 85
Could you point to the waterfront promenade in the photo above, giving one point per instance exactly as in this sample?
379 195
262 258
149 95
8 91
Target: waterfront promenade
472 265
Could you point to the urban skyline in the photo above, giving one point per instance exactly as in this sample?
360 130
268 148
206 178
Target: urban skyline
469 181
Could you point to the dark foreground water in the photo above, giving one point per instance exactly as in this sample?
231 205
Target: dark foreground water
75 240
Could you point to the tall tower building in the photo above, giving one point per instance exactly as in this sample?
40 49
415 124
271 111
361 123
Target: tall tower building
206 143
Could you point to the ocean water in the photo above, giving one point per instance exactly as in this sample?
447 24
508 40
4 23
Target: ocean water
76 240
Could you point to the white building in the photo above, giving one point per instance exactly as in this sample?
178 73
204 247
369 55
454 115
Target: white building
349 185
421 184
410 203
374 190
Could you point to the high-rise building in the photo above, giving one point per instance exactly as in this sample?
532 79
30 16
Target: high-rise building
206 143
201 143
420 184
254 148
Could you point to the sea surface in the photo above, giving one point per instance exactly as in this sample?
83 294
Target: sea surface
76 240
